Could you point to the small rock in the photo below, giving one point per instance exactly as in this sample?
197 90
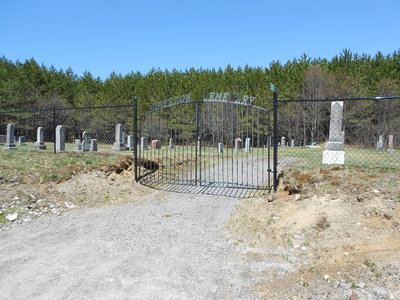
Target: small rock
376 191
275 218
15 198
387 216
326 277
354 297
303 248
360 199
12 217
380 292
361 285
322 223
270 198
297 197
298 236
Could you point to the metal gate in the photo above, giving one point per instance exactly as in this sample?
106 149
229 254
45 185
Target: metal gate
221 141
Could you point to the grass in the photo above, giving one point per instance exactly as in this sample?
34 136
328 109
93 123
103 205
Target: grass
312 157
181 159
46 166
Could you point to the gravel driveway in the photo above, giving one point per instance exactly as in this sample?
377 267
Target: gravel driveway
164 246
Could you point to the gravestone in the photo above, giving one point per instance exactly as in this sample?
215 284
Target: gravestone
291 143
86 141
144 145
171 143
10 144
198 144
247 147
238 144
93 145
155 144
379 143
220 148
40 139
77 145
390 147
60 138
334 153
119 144
130 140
283 143
3 139
22 141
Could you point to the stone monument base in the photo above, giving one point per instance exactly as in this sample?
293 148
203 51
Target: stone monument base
40 146
330 157
118 147
9 147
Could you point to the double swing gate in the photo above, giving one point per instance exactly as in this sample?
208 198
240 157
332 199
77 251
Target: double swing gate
220 142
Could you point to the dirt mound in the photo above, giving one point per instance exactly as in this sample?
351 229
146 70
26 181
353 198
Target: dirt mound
341 233
108 183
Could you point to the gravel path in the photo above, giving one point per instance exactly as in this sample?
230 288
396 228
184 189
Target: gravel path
164 246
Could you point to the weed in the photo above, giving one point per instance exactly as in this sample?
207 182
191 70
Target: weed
372 267
5 213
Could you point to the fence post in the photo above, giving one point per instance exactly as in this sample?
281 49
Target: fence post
197 142
275 164
55 133
135 137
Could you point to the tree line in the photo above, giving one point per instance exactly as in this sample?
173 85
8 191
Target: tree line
26 85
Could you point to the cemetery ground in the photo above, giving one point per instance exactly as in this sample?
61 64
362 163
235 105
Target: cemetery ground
84 230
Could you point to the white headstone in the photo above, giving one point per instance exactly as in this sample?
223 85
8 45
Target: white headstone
22 141
86 141
247 147
78 145
283 143
40 139
220 148
291 143
10 144
119 144
379 143
130 140
60 138
144 145
334 153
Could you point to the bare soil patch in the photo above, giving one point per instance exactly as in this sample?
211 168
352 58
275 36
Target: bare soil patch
342 235
29 196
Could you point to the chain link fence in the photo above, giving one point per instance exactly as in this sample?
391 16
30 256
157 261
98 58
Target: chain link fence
363 132
103 129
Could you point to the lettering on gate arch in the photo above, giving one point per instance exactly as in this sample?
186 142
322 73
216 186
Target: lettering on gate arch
170 101
229 97
213 96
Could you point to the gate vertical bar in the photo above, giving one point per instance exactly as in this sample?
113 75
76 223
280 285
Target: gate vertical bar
135 137
54 127
197 141
275 107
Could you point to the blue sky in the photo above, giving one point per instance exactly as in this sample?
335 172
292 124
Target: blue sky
124 36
